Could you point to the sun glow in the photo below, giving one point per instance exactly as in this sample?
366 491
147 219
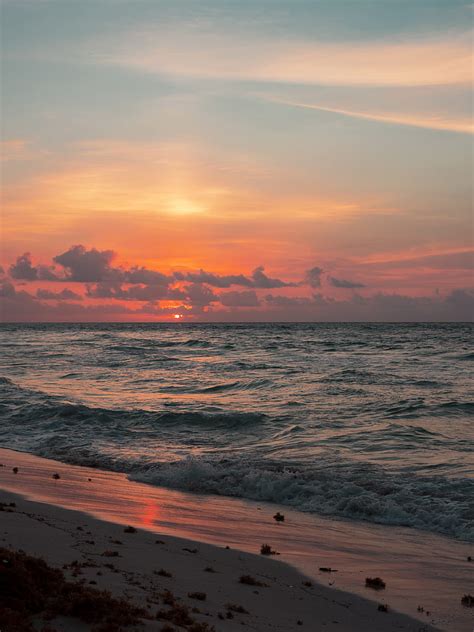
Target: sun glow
182 206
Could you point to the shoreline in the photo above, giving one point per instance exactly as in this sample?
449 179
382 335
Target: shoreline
355 551
142 569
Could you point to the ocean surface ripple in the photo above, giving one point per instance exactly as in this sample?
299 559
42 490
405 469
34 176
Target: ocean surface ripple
360 421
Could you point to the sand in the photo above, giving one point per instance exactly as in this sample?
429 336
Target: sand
61 536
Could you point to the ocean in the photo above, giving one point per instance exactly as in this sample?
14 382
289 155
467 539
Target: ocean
366 422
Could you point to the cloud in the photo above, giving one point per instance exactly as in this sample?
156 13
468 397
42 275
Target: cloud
289 301
247 298
258 279
22 269
196 51
344 283
87 265
200 295
93 267
440 122
457 306
213 279
64 295
195 293
7 290
152 292
20 306
261 280
153 309
313 276
146 276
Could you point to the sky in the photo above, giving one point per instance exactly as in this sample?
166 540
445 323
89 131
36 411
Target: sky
283 160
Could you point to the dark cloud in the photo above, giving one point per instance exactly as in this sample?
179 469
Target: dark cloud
47 273
261 280
213 279
289 301
7 290
87 265
457 306
116 291
154 309
20 306
94 266
22 269
462 300
195 294
200 295
344 283
105 289
64 295
145 276
258 279
313 276
248 298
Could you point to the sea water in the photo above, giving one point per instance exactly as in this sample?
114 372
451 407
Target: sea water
366 422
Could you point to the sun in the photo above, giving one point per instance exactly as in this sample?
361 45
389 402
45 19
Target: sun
177 316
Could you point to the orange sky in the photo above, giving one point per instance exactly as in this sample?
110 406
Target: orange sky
213 138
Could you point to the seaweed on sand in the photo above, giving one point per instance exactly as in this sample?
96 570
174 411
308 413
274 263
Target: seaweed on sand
30 588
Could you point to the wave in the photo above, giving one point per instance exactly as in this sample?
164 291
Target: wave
238 454
410 409
349 491
467 357
343 489
30 407
236 386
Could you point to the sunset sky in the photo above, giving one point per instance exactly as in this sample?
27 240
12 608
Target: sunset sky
245 160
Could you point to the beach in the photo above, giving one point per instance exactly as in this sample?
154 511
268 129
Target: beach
67 514
236 316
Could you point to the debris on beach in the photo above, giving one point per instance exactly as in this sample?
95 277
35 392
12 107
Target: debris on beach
110 554
266 549
15 470
7 507
232 607
468 601
251 581
56 476
382 608
327 569
129 530
375 582
278 517
49 593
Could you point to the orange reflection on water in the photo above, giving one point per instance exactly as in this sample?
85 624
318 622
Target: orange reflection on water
150 514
